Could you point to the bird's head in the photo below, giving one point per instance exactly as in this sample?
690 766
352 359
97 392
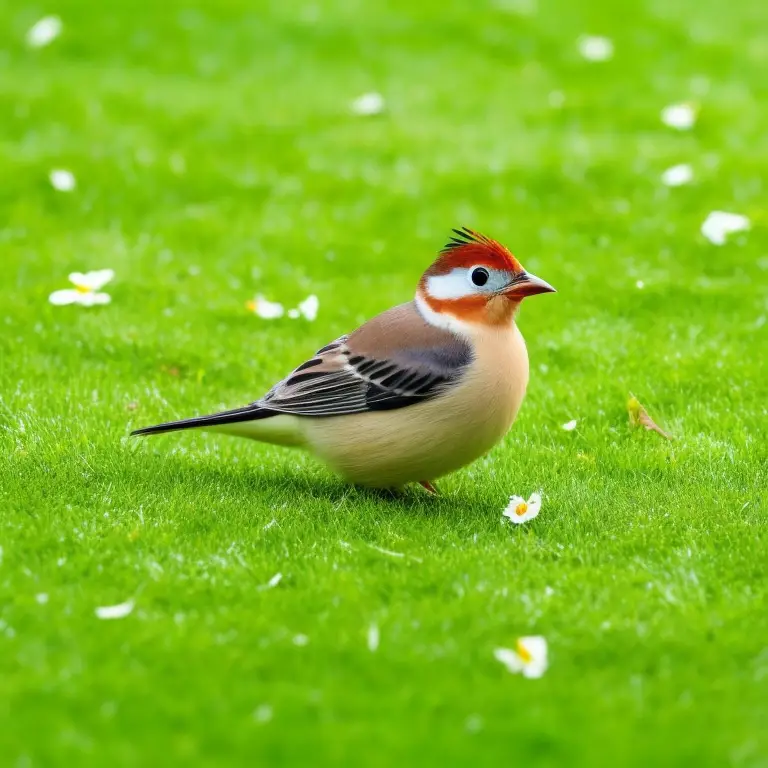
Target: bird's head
477 280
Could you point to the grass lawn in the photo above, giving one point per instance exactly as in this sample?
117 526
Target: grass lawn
216 156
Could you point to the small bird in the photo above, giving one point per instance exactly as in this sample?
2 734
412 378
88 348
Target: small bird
419 391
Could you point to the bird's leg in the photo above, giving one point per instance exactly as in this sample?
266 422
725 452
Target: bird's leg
428 487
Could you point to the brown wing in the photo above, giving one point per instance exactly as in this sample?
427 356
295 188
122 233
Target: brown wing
395 360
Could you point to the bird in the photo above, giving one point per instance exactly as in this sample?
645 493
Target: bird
417 392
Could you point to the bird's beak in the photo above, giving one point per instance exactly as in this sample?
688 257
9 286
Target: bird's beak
526 284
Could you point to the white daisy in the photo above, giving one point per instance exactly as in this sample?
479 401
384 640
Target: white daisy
119 611
529 656
679 116
62 180
44 31
677 175
719 224
368 104
265 309
521 511
86 291
595 48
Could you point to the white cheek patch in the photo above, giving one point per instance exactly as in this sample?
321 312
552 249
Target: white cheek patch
454 285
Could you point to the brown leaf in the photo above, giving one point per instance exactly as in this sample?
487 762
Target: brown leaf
638 417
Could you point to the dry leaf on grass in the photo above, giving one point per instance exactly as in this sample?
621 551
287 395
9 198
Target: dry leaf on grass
638 417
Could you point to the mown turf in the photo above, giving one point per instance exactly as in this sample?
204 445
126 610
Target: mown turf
216 156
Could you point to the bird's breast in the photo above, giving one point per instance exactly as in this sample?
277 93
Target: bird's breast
440 435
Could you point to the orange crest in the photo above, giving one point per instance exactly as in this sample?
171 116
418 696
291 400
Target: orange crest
468 248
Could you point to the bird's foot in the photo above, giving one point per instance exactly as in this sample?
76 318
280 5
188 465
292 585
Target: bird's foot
428 487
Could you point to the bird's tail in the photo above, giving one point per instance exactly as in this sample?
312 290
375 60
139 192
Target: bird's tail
212 421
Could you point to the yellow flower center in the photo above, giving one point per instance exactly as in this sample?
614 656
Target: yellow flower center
250 306
82 288
523 653
521 509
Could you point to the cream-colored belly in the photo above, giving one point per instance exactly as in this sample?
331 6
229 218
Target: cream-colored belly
425 441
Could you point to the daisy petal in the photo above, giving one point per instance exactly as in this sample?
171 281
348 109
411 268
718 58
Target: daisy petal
309 307
267 310
594 48
119 611
509 659
92 280
44 31
677 175
368 104
719 224
679 116
66 296
62 180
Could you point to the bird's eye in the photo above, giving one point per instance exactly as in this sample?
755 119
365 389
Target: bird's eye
480 276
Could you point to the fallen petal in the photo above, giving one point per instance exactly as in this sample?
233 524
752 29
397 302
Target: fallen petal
595 48
119 611
62 180
66 296
44 31
569 426
719 224
677 175
679 116
267 310
509 659
368 104
309 307
92 280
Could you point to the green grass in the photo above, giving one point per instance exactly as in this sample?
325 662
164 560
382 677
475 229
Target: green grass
655 553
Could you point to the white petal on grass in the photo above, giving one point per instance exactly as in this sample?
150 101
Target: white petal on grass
640 285
119 611
269 525
679 116
521 511
93 280
273 582
309 307
62 180
65 296
300 640
41 598
529 656
73 296
596 48
373 638
569 426
677 175
719 224
44 31
368 104
265 309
